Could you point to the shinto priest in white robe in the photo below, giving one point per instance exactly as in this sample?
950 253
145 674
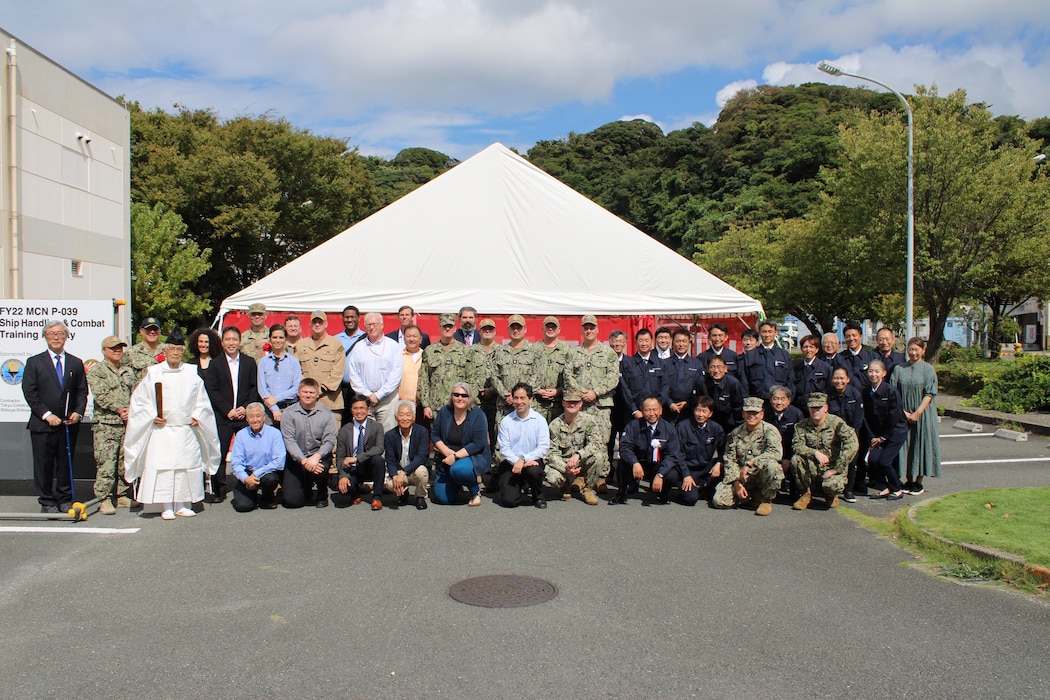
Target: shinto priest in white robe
170 460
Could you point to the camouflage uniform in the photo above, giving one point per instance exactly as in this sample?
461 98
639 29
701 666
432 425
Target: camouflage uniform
548 366
140 358
252 343
837 440
512 366
596 370
584 437
112 390
483 370
764 450
441 367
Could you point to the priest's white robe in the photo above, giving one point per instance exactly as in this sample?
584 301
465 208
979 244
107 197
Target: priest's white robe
170 461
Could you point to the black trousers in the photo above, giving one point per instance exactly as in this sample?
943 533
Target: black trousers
510 483
51 465
246 499
627 483
299 483
226 432
372 469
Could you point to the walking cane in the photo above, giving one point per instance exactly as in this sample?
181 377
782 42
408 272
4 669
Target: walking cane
69 453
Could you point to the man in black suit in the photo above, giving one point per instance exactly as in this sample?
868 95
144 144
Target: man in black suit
649 449
229 400
406 316
467 333
407 449
55 387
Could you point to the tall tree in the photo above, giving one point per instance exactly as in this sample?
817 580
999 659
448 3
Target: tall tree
971 199
255 190
165 265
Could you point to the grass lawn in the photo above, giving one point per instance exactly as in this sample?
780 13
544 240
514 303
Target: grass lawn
1013 520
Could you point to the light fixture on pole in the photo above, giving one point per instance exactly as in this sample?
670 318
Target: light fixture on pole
909 296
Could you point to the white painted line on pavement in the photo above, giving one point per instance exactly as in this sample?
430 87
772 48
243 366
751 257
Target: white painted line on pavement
998 461
969 435
71 528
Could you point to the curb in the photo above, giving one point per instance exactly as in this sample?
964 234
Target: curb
1031 427
1040 572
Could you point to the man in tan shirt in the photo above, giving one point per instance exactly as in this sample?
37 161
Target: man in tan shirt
324 361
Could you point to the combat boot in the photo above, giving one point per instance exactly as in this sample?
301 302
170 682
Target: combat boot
105 507
578 484
764 508
589 496
566 490
803 501
833 502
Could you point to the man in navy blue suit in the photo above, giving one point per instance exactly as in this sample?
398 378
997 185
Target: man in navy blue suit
406 316
467 333
55 387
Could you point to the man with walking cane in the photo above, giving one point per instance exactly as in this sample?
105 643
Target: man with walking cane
55 388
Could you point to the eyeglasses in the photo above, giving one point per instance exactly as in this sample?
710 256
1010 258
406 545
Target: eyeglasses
458 395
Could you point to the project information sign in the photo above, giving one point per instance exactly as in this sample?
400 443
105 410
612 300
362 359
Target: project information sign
22 324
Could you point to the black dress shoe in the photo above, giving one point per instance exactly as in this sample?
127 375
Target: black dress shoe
402 500
421 503
540 503
64 507
49 509
618 500
321 503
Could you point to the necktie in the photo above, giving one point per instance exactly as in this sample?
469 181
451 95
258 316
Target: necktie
58 369
469 337
360 439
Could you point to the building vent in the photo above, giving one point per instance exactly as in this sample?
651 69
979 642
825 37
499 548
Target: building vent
77 268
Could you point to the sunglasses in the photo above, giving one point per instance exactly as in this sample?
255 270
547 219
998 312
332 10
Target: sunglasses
457 395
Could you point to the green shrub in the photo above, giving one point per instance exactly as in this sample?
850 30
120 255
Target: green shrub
1023 386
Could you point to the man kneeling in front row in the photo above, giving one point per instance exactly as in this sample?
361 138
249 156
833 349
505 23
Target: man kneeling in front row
577 456
752 463
824 446
407 449
257 460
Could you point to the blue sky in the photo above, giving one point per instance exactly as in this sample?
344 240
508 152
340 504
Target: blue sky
457 75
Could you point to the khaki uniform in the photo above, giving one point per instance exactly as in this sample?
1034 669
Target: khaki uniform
252 343
140 358
583 437
324 361
443 366
763 449
548 366
111 389
837 440
597 370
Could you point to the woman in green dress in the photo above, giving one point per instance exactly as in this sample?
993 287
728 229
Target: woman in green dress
917 382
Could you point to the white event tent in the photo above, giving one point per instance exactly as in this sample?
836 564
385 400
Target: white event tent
497 233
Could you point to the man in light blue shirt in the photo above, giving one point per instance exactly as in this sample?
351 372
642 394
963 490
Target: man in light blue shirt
375 368
257 460
279 375
523 443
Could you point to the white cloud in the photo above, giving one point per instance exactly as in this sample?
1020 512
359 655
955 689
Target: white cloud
726 93
408 62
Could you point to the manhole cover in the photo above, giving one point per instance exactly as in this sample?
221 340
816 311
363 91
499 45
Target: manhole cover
503 591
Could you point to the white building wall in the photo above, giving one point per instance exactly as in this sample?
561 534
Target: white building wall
71 169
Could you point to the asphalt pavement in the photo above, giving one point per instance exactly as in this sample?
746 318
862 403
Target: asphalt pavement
653 601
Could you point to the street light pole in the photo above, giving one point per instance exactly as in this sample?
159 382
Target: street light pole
909 296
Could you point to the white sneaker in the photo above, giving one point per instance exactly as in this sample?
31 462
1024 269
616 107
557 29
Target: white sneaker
185 512
168 514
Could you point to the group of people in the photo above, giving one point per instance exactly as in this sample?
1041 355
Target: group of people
308 419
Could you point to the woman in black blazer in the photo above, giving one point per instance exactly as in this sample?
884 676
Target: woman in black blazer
884 418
